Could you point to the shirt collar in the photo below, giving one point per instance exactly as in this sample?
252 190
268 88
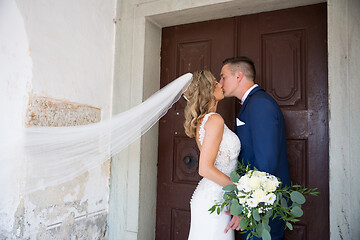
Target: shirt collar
247 93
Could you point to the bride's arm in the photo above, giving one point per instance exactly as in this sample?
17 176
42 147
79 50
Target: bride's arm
214 129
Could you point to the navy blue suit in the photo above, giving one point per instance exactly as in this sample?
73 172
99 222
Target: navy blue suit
263 142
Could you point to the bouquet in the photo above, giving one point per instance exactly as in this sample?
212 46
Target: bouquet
257 196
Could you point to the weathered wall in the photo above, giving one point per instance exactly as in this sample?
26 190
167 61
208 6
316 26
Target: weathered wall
77 208
344 115
71 44
63 51
15 75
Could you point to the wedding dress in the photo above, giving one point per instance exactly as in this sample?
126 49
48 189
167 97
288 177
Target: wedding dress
203 224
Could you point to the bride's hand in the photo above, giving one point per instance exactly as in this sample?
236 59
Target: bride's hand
234 223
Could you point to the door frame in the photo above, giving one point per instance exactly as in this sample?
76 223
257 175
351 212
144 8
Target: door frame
137 76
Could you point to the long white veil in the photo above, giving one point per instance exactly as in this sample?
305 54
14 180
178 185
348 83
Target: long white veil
58 154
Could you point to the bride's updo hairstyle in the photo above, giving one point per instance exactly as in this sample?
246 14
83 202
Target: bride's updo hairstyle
200 98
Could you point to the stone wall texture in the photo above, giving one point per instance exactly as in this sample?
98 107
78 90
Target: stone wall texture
51 112
63 211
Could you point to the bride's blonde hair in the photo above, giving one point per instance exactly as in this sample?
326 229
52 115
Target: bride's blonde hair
200 96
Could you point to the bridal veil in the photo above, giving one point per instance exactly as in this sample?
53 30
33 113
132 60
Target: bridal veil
58 154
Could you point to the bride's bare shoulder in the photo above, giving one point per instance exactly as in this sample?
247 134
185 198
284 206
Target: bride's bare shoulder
215 124
215 120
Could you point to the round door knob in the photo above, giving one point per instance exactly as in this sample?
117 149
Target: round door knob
189 161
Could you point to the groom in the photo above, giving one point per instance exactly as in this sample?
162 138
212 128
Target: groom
260 127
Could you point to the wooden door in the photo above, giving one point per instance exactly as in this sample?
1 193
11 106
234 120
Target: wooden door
186 48
290 54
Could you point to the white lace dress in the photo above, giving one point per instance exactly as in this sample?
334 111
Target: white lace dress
203 224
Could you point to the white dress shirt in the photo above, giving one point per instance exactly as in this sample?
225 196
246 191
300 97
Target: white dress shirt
247 93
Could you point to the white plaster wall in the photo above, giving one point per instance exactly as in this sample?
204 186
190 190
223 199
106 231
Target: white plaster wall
72 47
344 128
354 136
15 75
64 50
71 44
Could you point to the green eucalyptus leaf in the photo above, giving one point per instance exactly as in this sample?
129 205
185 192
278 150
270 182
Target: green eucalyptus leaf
266 226
296 205
289 225
297 197
297 212
243 224
259 228
234 176
265 220
235 208
256 215
269 213
284 203
266 235
218 211
229 188
225 195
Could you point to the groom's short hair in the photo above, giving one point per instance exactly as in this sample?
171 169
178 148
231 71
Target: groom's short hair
242 64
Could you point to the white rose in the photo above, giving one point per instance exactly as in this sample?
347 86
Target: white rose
242 201
251 202
270 198
270 186
243 184
259 173
259 195
275 180
242 198
254 182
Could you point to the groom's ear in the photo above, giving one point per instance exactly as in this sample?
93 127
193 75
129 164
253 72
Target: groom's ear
239 76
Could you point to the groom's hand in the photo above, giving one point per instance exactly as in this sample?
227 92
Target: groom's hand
234 223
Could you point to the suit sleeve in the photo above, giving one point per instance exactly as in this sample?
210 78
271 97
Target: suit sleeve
265 134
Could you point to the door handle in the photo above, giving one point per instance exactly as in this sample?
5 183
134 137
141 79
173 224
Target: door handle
189 161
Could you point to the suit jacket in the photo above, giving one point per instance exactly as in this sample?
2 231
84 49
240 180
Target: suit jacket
263 141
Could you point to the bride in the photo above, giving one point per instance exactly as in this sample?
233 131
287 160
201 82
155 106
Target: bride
219 150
